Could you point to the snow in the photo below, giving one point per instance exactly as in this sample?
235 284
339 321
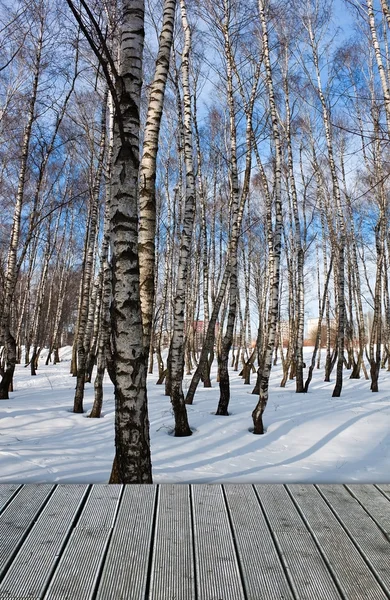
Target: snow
310 438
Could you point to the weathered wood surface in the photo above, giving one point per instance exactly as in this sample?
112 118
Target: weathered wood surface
194 542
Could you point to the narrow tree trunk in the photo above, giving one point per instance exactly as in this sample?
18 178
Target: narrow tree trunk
147 198
83 341
182 427
11 270
257 414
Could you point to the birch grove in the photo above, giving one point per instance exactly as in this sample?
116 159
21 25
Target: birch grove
190 192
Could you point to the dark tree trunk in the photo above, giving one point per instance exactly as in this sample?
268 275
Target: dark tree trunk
6 382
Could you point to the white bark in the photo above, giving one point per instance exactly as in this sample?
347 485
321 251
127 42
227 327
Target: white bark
277 237
132 463
11 269
147 198
177 345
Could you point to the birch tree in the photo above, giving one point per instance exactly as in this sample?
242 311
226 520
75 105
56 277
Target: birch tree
82 339
132 462
147 228
340 243
257 414
182 427
11 269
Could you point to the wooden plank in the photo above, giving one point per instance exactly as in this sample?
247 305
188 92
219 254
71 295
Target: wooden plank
125 569
216 564
385 488
7 490
298 551
100 509
363 530
263 574
352 573
172 573
78 570
29 578
374 502
18 517
79 567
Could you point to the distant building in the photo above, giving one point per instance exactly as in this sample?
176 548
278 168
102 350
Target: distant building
200 330
284 330
312 324
199 327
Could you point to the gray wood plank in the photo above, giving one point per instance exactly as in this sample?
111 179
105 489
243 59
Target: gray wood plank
7 490
374 502
172 574
18 517
364 531
216 564
100 509
346 563
298 551
125 570
385 488
27 577
79 567
263 574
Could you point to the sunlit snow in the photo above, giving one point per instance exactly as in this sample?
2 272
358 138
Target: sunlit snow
309 438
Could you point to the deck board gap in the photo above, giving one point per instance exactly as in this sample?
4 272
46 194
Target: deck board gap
80 508
350 536
317 543
282 560
25 533
105 551
9 500
66 540
383 492
193 541
152 542
234 543
377 523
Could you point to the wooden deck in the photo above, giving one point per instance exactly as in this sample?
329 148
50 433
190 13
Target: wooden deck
209 542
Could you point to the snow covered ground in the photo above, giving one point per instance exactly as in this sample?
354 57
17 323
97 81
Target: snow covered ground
310 437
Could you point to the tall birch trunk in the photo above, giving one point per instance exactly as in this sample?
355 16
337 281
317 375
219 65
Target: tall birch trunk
132 463
298 247
378 58
182 427
104 320
340 243
227 340
11 269
257 414
147 197
83 341
50 246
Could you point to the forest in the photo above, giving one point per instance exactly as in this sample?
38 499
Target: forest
182 184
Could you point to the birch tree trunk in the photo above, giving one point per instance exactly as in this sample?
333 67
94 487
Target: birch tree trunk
50 246
378 57
182 427
298 358
340 243
64 277
132 463
227 340
257 414
104 321
11 269
147 198
82 341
